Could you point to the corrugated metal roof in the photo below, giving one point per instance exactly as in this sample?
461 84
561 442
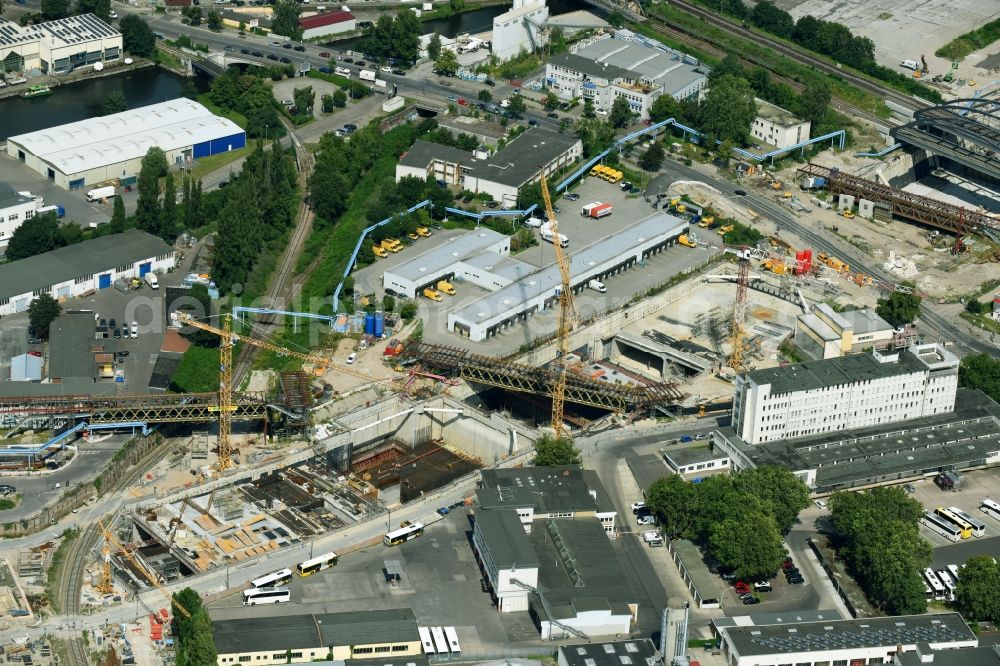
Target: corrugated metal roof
329 18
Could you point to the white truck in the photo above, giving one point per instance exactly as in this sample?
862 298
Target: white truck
910 64
597 285
101 193
367 75
151 280
547 235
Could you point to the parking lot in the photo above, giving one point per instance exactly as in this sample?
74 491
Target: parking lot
78 209
582 232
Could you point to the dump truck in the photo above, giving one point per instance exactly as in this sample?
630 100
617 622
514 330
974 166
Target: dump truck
686 242
379 251
433 294
423 231
446 287
597 210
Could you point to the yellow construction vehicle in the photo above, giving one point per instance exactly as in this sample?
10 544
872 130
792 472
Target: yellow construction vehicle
848 213
833 262
433 294
705 221
776 266
379 251
423 231
775 184
686 242
446 287
726 228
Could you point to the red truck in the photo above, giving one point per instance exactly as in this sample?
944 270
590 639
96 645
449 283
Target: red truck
596 210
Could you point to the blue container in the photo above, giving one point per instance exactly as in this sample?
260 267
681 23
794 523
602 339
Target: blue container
379 324
369 324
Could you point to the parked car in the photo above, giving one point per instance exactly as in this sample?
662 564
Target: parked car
399 72
245 51
352 358
638 506
298 47
349 61
288 61
648 519
324 54
490 82
910 488
820 503
552 114
572 196
741 587
686 438
762 586
750 600
286 45
271 56
741 193
533 123
359 63
134 330
444 511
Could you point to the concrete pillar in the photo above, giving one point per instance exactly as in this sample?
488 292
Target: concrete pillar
866 208
845 202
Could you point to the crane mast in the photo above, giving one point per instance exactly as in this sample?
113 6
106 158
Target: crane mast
565 316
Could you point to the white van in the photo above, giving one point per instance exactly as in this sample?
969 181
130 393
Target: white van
152 281
652 538
342 71
597 285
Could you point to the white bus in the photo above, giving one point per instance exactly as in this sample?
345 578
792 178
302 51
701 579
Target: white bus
948 583
425 640
266 595
273 579
940 593
928 592
942 526
990 508
309 567
953 570
978 527
396 537
964 527
452 637
440 644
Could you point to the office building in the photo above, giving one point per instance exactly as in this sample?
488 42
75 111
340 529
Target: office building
109 149
74 270
604 68
58 47
15 209
856 391
823 333
521 28
777 127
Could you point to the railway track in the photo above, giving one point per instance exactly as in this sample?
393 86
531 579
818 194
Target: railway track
282 283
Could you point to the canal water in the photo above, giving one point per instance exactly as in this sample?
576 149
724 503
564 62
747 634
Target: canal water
478 20
77 101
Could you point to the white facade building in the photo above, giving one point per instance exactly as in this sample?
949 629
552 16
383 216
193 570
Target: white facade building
58 47
15 208
777 127
505 557
605 68
843 393
823 333
74 270
520 29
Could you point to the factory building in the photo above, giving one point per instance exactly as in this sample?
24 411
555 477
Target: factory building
823 333
109 149
75 270
855 391
537 291
521 28
605 68
499 175
777 127
747 641
304 638
15 209
58 47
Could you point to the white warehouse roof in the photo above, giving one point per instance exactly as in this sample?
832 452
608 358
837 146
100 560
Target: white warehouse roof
433 261
97 142
583 264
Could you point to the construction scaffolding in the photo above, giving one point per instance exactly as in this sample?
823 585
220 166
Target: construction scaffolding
580 390
904 204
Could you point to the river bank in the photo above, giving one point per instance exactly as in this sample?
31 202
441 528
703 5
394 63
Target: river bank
55 81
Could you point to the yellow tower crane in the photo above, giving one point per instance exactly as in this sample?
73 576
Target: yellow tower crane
112 541
226 407
565 326
106 585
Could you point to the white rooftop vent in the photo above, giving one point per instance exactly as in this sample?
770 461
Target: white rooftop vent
422 269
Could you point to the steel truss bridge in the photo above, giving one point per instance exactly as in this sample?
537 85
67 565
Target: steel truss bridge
914 207
580 390
966 131
151 408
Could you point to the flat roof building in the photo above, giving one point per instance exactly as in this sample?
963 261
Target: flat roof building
777 127
110 148
842 393
500 175
58 47
823 333
15 209
313 636
869 640
520 28
605 68
987 655
327 23
696 461
74 270
968 437
537 291
639 652
461 256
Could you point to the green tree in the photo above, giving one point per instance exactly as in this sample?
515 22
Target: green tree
806 29
729 66
446 63
434 47
188 89
616 19
42 312
168 219
194 15
621 113
749 557
652 158
339 98
55 9
214 20
114 103
976 595
814 101
588 108
285 19
303 98
456 6
117 224
408 311
388 303
976 371
767 16
327 103
148 211
675 503
35 236
530 194
552 452
137 38
551 101
899 309
238 240
485 96
71 233
728 110
664 107
596 135
99 8
782 494
516 105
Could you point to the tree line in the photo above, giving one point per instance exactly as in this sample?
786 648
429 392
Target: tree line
394 38
193 631
738 520
826 37
248 94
